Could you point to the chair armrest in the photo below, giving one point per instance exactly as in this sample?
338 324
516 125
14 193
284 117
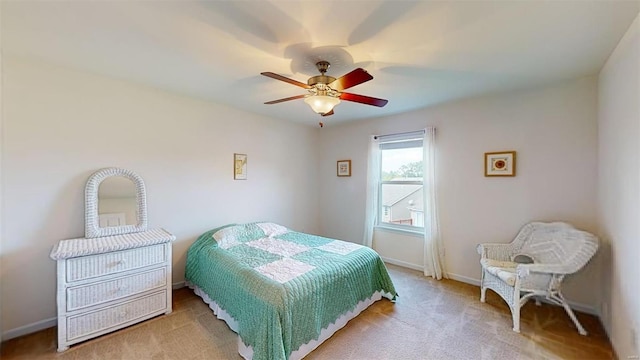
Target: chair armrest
523 270
495 251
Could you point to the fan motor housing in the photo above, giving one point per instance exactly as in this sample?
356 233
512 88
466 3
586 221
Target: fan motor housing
320 79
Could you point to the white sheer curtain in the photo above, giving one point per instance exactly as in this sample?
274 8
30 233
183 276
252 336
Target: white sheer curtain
433 247
373 178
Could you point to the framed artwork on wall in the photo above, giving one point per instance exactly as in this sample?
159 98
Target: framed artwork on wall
240 166
344 167
501 163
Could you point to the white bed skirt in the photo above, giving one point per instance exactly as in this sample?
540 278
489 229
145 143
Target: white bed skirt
247 351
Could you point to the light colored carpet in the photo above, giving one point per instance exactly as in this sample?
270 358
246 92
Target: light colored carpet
431 320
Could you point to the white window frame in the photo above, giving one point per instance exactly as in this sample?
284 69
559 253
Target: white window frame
411 137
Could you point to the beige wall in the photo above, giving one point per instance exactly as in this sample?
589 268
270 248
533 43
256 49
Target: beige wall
60 126
619 191
554 131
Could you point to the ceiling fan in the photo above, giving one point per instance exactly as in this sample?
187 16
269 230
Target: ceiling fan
325 91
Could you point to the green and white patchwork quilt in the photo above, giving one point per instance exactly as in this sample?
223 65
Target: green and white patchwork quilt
283 287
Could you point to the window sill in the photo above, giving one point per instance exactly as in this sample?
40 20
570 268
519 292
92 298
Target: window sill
414 233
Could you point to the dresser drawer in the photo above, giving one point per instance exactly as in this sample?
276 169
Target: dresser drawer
87 267
96 293
110 318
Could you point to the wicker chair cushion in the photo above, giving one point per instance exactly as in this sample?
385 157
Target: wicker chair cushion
505 270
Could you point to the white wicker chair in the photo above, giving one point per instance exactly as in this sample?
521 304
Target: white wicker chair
554 250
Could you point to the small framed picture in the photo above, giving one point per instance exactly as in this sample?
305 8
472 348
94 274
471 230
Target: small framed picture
344 167
501 163
240 166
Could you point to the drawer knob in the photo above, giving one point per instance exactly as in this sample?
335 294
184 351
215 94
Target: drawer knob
122 262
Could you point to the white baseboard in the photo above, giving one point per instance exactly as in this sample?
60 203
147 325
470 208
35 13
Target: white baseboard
177 285
30 328
402 263
584 308
464 279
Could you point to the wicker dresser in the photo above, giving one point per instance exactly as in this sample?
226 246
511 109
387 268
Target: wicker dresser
110 282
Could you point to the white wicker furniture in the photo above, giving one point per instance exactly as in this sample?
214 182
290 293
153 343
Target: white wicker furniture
556 250
107 283
115 276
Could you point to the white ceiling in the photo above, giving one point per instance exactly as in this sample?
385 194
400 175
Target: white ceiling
419 53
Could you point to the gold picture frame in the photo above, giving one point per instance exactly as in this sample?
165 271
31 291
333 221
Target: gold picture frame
240 166
344 167
500 163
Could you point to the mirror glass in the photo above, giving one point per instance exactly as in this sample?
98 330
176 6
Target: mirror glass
117 202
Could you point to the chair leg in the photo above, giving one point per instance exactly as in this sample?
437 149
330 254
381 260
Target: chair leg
515 306
573 317
515 314
483 289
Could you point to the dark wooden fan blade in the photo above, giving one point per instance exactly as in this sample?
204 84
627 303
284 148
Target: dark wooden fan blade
329 113
364 99
285 99
356 77
285 79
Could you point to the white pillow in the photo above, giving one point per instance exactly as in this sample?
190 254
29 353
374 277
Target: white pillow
228 236
271 229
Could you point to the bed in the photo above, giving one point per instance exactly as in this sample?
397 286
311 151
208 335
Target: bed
283 292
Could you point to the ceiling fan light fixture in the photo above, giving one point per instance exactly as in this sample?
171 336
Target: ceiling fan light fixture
322 104
325 92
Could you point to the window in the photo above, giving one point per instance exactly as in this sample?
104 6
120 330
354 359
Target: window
400 193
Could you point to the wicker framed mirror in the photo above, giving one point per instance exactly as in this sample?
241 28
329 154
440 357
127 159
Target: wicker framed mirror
115 203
